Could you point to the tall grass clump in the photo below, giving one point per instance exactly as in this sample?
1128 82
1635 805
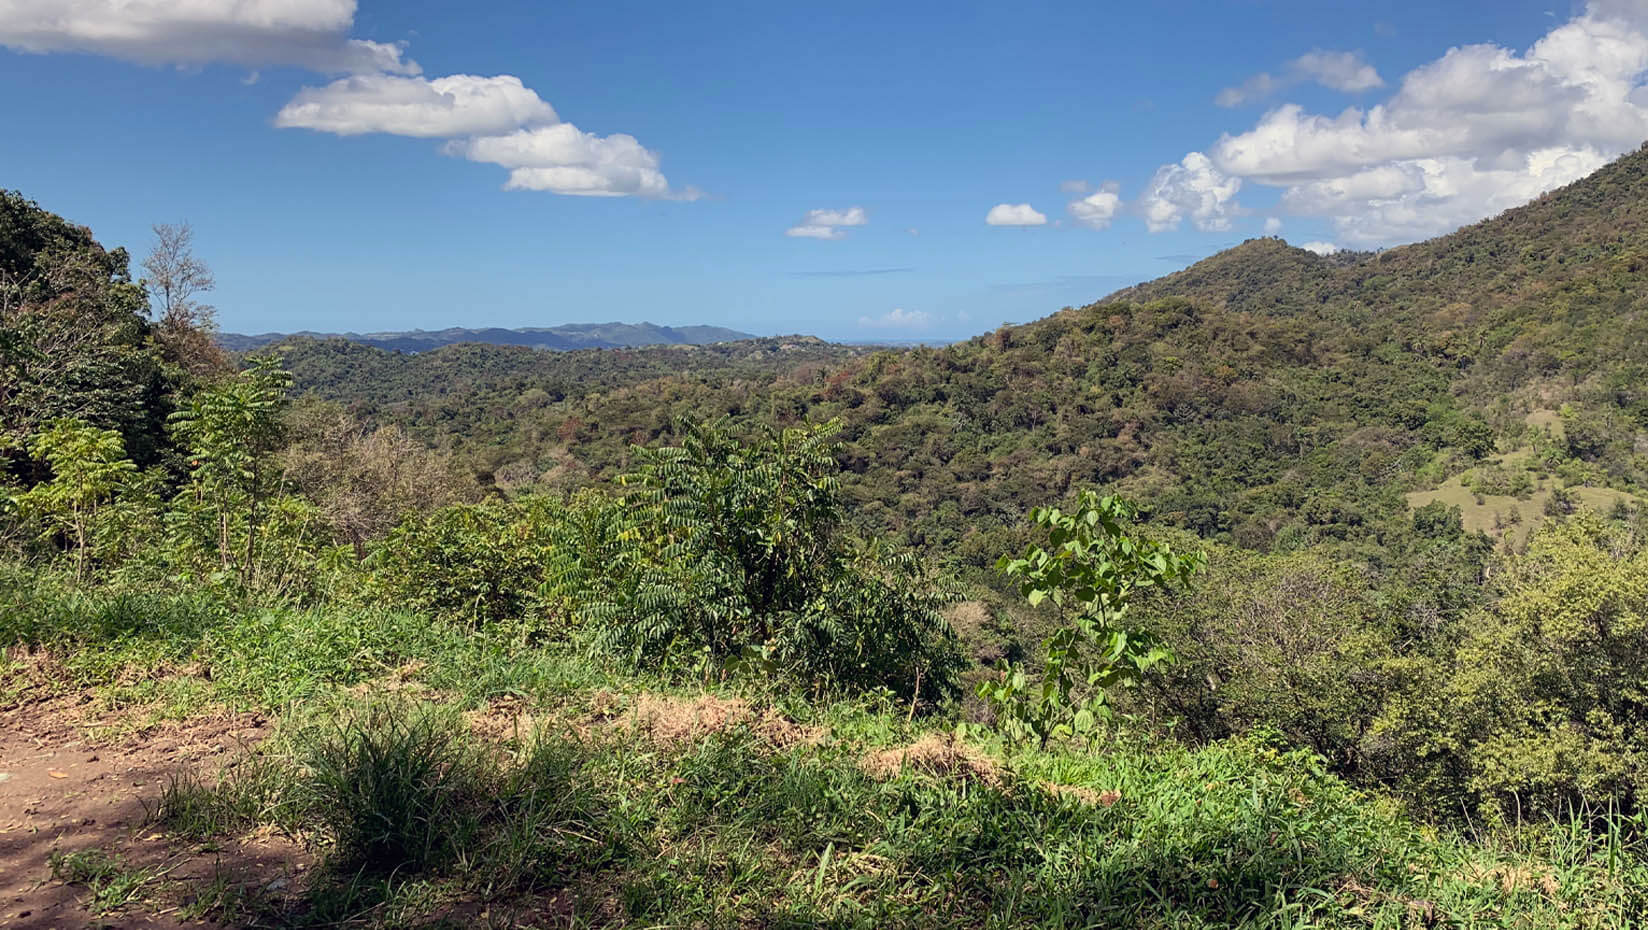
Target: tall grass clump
391 787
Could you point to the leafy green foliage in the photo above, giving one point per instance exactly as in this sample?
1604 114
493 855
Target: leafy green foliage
1090 573
1541 708
85 505
73 337
738 551
481 563
231 431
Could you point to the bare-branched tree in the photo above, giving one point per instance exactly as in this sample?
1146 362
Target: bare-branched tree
185 326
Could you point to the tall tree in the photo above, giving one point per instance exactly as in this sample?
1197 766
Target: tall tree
185 326
74 341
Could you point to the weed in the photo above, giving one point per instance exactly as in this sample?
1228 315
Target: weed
112 883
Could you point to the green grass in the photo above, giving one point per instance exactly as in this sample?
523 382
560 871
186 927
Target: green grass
1493 514
110 883
414 815
727 830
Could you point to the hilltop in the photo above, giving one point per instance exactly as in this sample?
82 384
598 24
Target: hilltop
566 337
1585 239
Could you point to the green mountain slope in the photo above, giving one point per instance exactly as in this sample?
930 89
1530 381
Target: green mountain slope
1266 396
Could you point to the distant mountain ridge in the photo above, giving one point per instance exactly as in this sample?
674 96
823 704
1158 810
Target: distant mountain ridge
559 338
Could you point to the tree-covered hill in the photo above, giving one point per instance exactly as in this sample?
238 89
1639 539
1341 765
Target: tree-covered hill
492 400
1266 396
561 338
1587 235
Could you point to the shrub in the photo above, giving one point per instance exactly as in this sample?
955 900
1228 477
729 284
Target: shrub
730 551
1287 642
1091 573
479 563
1544 706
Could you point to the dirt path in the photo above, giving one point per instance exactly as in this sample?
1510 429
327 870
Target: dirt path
59 791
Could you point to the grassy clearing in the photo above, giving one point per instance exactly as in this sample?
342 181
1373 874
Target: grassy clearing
1507 518
474 775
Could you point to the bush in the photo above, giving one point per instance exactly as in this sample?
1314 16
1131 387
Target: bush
1288 642
1544 706
480 563
735 551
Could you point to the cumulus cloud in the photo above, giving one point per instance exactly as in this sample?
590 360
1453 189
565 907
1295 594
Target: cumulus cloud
1097 209
898 318
456 105
1342 71
1273 225
1193 188
563 159
1478 130
490 119
312 34
827 224
1074 186
1015 214
495 120
1320 248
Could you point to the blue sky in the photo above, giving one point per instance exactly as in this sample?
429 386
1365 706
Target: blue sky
784 167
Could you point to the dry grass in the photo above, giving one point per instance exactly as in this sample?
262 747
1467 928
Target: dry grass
668 720
501 720
1089 796
940 755
1511 879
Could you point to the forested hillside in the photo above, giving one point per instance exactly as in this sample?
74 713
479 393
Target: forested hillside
560 338
1278 593
1266 396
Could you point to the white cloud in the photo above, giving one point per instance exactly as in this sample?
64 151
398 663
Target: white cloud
1342 71
1273 225
504 123
312 34
456 105
1256 87
898 318
827 224
491 119
1015 214
563 159
1097 209
1075 186
1193 188
1320 248
814 232
1476 131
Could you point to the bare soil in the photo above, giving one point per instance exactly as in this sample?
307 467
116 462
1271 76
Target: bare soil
61 790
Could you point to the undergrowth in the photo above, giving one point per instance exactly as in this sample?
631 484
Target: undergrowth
578 816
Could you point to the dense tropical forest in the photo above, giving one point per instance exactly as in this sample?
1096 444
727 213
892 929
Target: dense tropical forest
1284 591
